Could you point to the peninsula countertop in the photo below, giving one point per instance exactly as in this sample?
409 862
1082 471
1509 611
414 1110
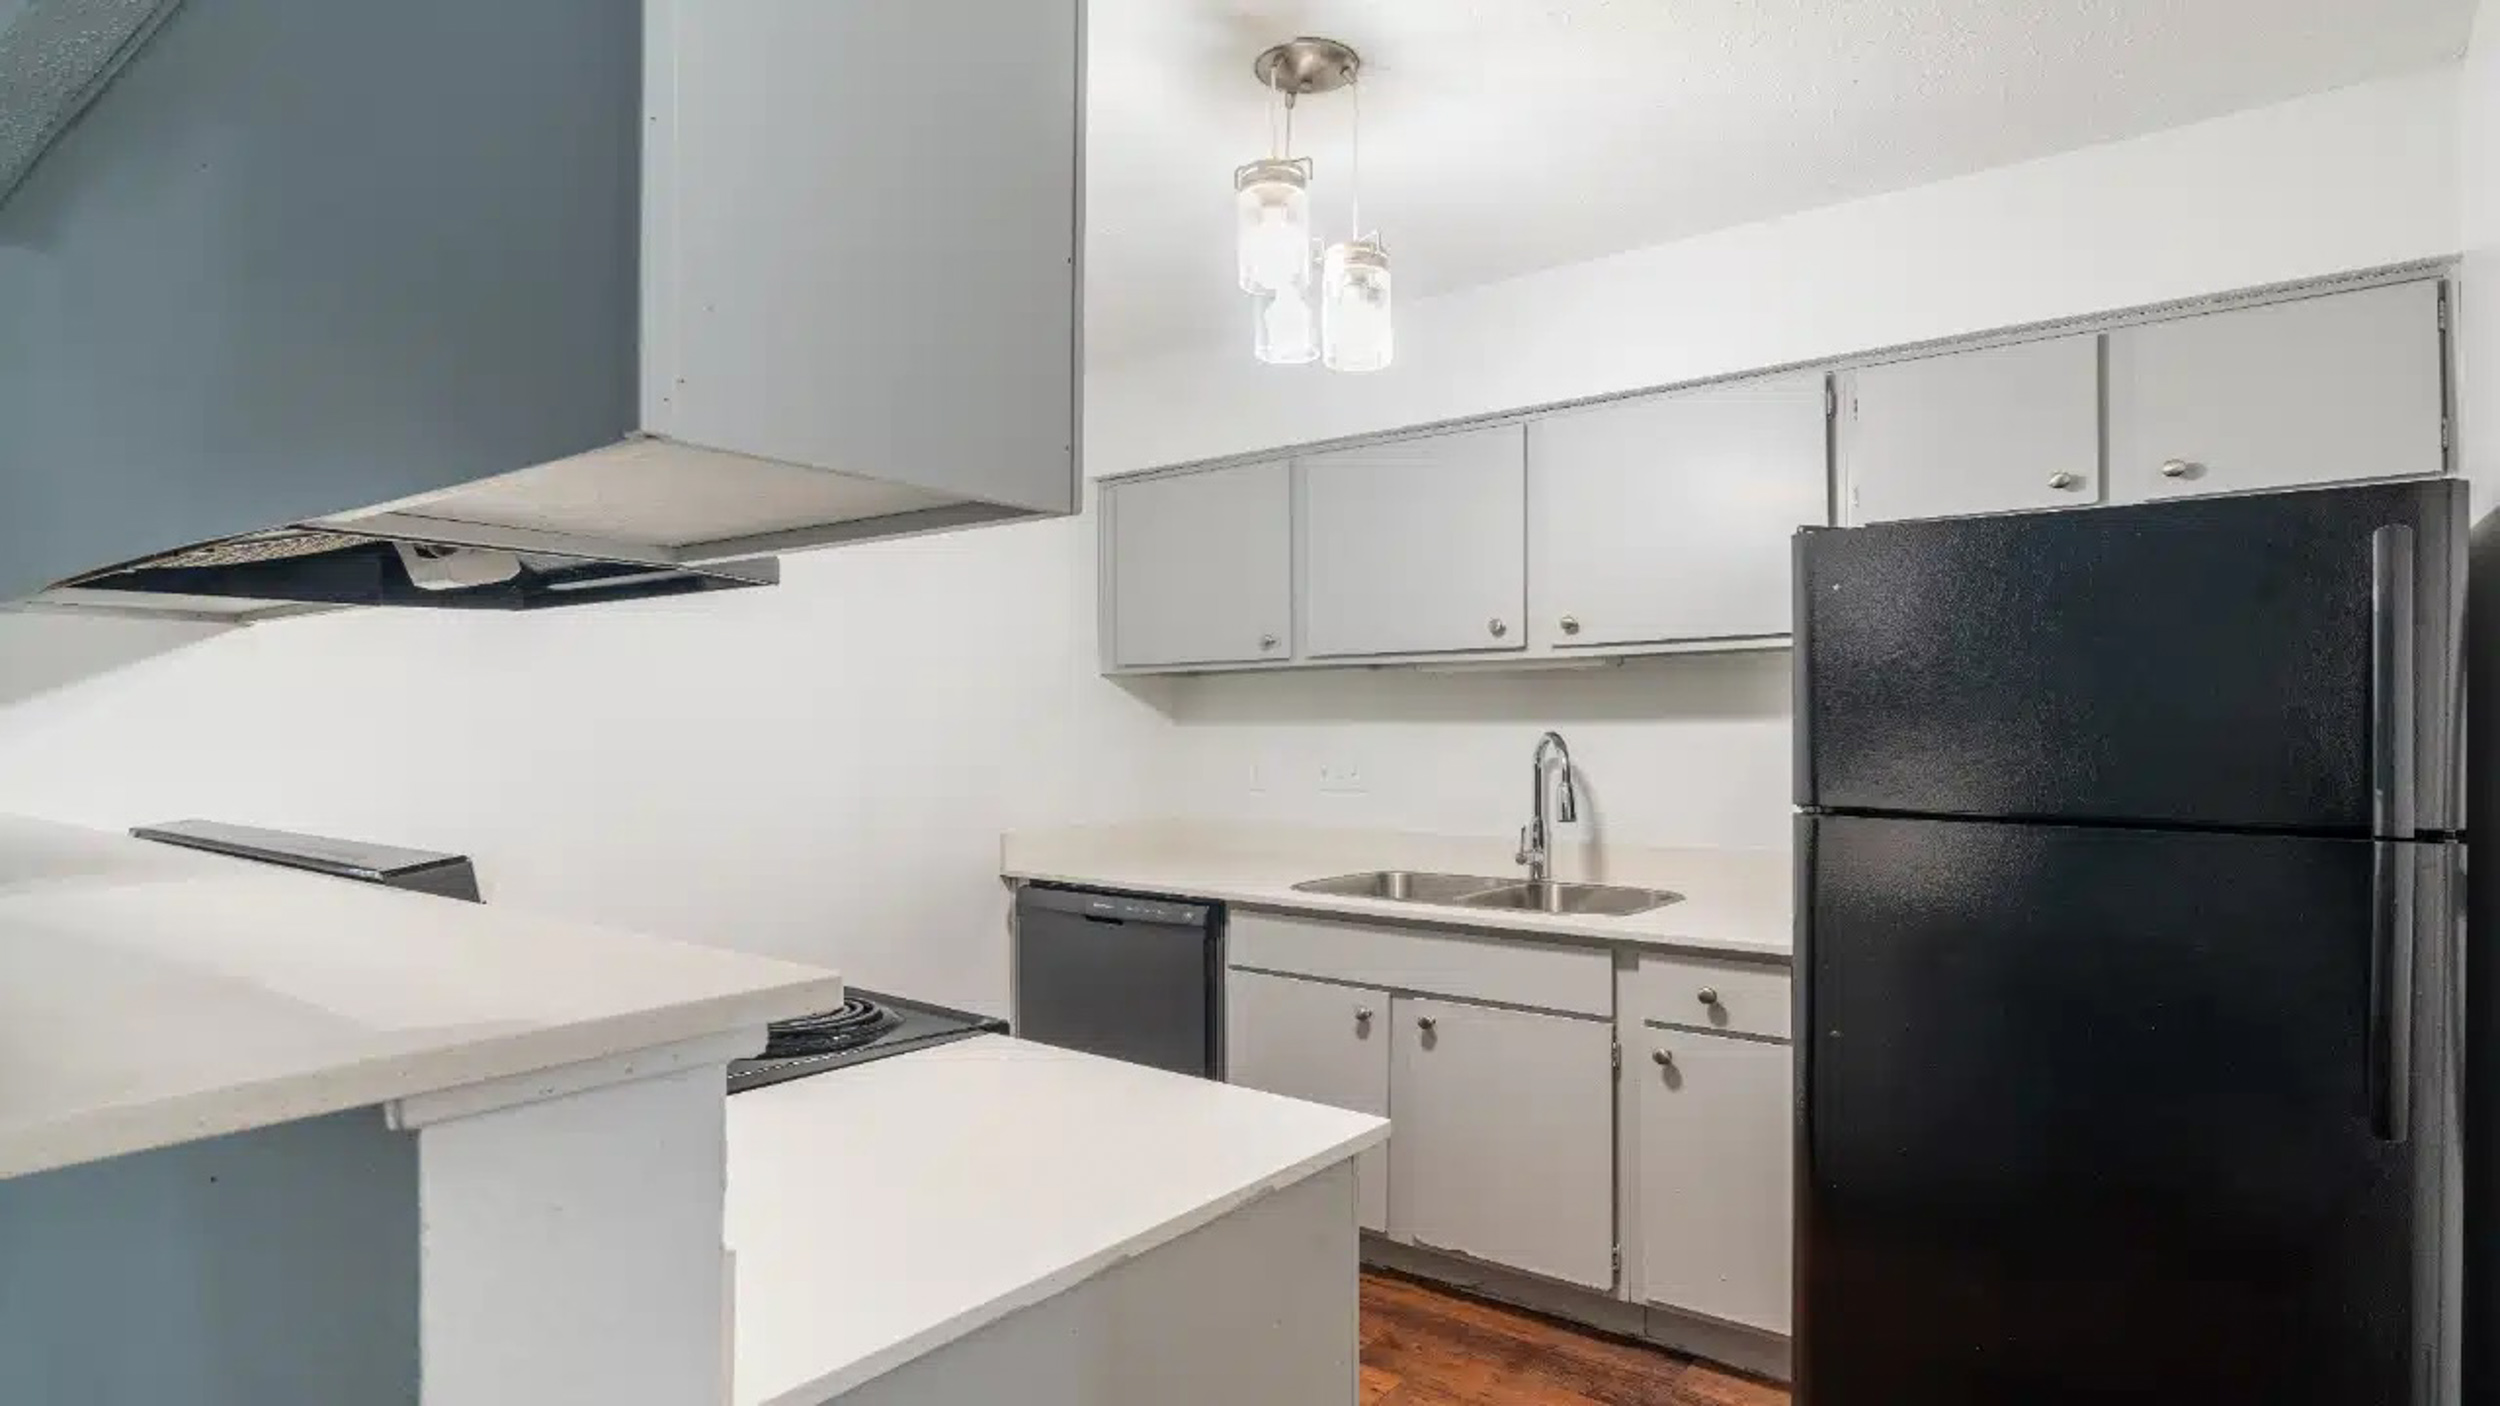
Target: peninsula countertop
989 1174
1732 901
151 995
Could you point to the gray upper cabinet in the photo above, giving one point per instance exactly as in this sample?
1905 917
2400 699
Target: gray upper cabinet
1198 568
1661 523
1668 518
1418 547
2325 389
2000 430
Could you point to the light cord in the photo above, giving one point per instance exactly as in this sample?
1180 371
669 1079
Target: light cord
1354 83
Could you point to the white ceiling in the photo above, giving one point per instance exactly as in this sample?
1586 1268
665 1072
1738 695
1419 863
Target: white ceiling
1502 136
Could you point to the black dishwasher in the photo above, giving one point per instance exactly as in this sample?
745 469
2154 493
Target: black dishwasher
1138 979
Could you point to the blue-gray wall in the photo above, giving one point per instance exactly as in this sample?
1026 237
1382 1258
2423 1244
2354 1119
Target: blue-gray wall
271 1268
308 255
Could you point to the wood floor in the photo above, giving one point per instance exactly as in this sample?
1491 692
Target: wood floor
1424 1347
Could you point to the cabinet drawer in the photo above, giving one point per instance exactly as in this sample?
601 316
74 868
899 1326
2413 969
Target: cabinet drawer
1710 993
1513 971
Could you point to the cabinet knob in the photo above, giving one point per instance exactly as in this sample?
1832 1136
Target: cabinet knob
1497 626
2063 480
1662 1058
1571 624
1425 1023
1269 641
2177 468
1709 995
1362 1015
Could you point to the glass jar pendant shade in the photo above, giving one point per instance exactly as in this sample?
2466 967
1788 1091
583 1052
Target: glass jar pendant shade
1285 331
1354 292
1272 202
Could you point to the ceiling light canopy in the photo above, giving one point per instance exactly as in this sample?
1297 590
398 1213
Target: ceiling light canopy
1344 321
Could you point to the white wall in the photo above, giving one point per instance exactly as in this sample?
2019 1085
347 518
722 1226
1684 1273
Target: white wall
819 771
1696 751
2478 320
2350 179
1690 751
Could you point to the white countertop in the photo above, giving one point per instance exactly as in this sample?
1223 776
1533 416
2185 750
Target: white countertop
151 995
981 1177
1734 901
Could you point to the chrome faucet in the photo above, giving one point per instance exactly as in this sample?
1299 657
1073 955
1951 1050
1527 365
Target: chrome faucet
1536 841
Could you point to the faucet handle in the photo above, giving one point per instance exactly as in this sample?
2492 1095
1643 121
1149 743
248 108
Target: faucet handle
1524 854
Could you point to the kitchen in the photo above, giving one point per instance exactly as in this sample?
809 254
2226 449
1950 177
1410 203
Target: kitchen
823 771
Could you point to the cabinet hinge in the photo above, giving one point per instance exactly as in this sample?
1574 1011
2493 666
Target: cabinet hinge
2443 307
1618 1264
1831 399
1617 1056
2447 433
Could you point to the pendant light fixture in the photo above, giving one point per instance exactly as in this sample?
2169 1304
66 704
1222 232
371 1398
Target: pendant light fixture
1273 200
1355 294
1344 320
1285 330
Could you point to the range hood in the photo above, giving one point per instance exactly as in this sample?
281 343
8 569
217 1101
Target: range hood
314 303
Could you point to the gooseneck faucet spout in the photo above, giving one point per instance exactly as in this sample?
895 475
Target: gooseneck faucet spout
1536 841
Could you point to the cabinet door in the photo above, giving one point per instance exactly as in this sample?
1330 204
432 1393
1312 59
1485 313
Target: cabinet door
1716 1163
1313 1040
1418 547
786 312
1669 517
2349 386
1505 1145
1200 566
1994 431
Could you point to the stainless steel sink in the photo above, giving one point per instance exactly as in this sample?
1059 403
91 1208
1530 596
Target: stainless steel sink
1602 900
1401 886
1478 891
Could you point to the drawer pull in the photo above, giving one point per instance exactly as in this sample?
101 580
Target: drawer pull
1709 995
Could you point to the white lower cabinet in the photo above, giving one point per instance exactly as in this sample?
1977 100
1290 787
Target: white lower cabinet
1504 1144
1515 1139
1318 1041
1716 1165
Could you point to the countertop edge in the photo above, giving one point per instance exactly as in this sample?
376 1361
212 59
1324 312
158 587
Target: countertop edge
116 1130
853 1375
1288 900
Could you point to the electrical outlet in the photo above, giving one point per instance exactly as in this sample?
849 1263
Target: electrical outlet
1342 777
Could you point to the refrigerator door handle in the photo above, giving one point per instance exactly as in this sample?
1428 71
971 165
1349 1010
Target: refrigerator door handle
2391 682
2391 991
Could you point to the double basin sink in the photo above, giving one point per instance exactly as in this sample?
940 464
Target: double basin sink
1476 891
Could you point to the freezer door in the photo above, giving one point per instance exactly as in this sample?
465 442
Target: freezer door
2277 661
2095 1115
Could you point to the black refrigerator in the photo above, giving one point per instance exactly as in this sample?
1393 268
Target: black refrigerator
2129 853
